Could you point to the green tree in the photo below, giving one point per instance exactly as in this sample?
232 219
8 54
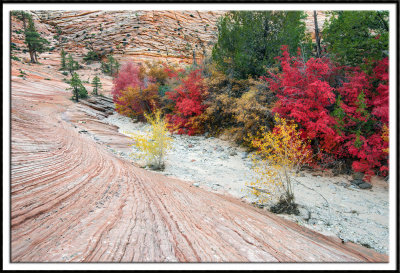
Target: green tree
71 65
91 56
352 37
58 36
63 59
248 41
78 90
111 66
21 15
35 43
96 83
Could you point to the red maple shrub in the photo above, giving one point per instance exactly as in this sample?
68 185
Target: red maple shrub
129 75
362 113
304 93
188 100
134 93
348 121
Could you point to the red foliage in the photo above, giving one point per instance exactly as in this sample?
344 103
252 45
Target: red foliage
128 76
354 129
133 92
304 94
380 100
188 99
366 111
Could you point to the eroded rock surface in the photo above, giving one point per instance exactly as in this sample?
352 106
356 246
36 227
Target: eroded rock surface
143 35
168 36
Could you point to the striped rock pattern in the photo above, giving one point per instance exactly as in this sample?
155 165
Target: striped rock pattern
142 35
73 200
170 36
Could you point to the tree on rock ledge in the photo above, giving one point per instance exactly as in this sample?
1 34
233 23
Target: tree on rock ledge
35 43
78 90
96 83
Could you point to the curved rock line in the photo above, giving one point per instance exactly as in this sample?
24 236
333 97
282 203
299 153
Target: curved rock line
72 200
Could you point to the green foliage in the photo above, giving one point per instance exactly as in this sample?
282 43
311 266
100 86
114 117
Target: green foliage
82 92
96 83
21 15
13 47
63 60
248 41
22 73
92 56
78 90
15 58
34 42
162 89
353 36
71 65
111 66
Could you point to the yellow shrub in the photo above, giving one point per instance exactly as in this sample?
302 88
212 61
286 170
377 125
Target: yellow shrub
252 112
134 102
156 71
385 137
155 145
280 153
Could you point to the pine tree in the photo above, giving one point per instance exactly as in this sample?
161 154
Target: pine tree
78 90
71 65
352 37
248 41
21 15
75 83
96 83
63 60
111 66
35 43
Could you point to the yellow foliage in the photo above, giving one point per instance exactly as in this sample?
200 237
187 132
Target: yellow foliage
157 71
280 154
155 145
236 117
251 112
385 136
135 101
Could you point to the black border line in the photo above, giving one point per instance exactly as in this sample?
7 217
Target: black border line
396 95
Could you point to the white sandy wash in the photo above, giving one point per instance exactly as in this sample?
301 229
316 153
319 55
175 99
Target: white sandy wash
329 205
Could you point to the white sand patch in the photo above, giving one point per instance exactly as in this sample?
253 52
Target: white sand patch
329 205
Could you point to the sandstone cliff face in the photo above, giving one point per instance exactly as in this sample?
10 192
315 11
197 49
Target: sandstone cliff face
142 35
172 36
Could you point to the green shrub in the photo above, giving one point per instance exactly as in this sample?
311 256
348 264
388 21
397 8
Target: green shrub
82 92
111 66
92 56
